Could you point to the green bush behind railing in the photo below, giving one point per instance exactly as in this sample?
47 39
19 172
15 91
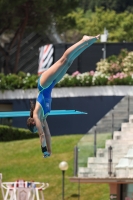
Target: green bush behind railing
8 133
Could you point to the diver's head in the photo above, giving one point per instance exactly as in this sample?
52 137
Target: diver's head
31 125
30 121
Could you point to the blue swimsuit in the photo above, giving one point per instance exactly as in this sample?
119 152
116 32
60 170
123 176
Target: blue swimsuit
44 97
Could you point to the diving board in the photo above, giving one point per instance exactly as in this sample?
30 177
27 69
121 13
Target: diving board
27 113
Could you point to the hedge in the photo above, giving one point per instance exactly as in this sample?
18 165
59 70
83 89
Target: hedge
8 133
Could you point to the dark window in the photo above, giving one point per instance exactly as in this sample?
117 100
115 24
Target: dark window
6 108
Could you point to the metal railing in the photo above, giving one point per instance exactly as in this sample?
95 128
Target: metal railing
119 114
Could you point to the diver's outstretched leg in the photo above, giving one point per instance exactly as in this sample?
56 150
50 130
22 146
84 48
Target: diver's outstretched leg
65 61
73 57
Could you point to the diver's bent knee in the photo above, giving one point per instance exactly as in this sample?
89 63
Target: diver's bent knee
65 61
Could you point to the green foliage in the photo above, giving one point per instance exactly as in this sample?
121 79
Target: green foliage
74 80
40 14
117 5
123 53
112 5
25 16
8 133
114 64
120 80
119 26
100 79
20 81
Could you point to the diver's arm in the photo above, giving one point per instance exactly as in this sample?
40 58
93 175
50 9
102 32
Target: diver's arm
47 135
40 130
38 124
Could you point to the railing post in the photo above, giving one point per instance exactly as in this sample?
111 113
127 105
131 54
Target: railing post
95 141
110 161
128 106
75 161
112 122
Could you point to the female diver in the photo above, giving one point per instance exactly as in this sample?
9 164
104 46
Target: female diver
39 112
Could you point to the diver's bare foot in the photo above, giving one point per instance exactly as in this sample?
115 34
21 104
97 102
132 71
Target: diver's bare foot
88 38
97 37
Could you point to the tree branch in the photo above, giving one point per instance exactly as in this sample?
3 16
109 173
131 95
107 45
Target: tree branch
21 32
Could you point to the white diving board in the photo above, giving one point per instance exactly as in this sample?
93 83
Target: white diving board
27 113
